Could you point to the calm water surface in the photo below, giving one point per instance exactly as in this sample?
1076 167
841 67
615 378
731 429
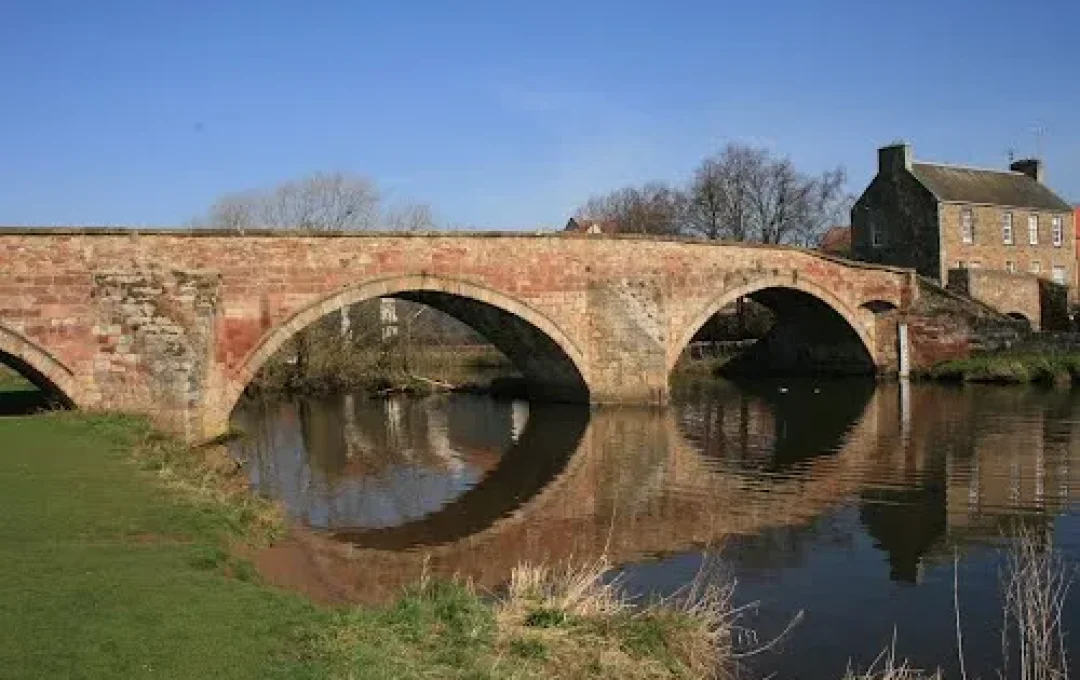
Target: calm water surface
845 500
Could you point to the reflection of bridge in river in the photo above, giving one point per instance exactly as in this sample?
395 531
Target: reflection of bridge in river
638 483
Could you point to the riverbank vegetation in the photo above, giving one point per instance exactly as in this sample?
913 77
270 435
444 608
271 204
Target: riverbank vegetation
383 346
1010 368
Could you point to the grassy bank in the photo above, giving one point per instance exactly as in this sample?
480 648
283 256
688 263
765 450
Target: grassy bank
10 381
107 576
122 558
1009 368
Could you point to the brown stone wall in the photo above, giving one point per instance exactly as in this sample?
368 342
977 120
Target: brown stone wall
989 251
175 323
1010 294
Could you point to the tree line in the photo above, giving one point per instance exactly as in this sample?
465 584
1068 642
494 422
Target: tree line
742 193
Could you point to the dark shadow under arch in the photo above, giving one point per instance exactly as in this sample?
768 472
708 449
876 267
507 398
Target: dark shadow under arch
813 335
1021 318
47 396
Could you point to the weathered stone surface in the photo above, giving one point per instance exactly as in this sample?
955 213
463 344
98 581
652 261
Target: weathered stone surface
176 323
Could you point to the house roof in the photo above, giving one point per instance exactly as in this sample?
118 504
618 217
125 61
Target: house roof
954 183
587 226
837 241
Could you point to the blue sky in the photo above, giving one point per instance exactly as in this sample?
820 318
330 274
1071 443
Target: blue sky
505 114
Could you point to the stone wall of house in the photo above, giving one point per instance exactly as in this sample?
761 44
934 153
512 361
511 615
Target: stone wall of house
990 251
905 216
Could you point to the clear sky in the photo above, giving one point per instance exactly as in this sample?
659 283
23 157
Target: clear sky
506 114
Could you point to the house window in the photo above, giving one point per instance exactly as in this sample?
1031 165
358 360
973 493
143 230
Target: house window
960 264
875 234
1036 267
1010 266
1007 229
1056 230
1033 230
1059 275
967 226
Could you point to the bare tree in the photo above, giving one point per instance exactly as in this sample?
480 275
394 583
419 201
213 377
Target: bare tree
745 193
410 217
654 208
718 200
319 202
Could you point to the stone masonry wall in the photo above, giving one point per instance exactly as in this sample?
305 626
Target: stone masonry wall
1011 294
174 323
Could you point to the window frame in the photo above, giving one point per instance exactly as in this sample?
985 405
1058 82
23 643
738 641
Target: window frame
1008 236
1033 229
1010 266
1054 271
1057 231
1035 267
967 226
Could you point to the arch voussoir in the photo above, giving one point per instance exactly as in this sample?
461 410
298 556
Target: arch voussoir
45 365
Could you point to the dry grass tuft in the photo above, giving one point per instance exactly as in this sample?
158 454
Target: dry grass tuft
572 589
1035 584
581 625
887 667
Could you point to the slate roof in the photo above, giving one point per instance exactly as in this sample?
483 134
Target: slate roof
954 183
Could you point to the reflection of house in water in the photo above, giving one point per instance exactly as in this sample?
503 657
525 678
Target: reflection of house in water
967 475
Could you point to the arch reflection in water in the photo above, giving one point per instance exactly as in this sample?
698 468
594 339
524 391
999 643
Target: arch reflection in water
357 463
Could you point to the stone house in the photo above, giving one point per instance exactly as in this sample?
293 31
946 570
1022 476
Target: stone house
1000 236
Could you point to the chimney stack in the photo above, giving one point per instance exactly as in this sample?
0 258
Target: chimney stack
894 158
1032 167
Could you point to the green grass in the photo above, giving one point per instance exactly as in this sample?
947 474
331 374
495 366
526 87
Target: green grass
104 575
1044 368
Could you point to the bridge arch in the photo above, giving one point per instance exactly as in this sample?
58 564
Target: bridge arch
553 364
779 284
40 367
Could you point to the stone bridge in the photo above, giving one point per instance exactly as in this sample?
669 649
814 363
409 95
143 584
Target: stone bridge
176 323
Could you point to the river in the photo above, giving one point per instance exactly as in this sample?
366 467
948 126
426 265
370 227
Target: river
846 500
